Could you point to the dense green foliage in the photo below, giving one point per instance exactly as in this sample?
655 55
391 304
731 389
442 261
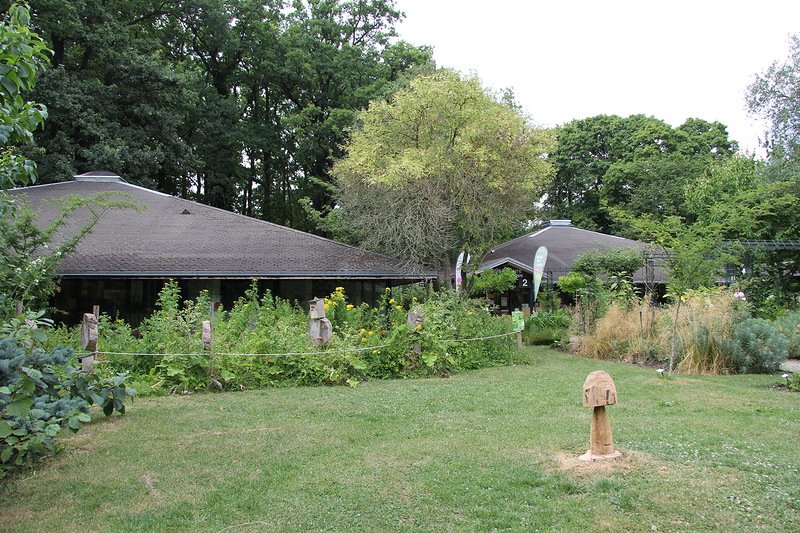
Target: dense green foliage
240 104
789 325
609 263
367 342
547 328
638 164
42 392
757 346
491 280
443 166
23 54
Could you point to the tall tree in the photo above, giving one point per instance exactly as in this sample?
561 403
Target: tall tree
242 104
442 166
115 102
638 164
775 96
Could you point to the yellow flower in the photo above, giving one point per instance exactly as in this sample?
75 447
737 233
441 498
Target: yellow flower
350 306
418 327
413 298
371 333
391 301
399 307
363 339
362 331
327 307
340 289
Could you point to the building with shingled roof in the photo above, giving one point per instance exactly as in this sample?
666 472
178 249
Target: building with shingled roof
564 243
123 263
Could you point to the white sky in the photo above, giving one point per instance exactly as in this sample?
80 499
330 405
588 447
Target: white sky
568 59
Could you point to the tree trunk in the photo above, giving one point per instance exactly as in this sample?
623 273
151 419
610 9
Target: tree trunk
674 344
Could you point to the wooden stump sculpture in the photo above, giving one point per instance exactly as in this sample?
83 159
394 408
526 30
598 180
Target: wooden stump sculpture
88 341
598 391
416 322
320 328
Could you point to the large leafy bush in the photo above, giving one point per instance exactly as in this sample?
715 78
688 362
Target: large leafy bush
42 391
367 342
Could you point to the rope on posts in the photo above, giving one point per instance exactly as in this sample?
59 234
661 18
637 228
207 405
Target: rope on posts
290 354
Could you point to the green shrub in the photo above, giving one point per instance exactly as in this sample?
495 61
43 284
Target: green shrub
789 325
757 346
546 328
43 391
366 342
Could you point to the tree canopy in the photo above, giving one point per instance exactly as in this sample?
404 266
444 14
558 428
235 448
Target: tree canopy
440 167
639 164
241 104
775 96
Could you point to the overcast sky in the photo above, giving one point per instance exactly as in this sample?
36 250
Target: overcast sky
575 59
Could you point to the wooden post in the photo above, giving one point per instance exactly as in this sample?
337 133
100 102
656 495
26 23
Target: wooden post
19 308
89 340
518 320
207 339
416 322
320 328
598 392
96 311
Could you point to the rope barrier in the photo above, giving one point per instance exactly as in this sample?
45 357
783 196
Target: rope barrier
285 354
484 338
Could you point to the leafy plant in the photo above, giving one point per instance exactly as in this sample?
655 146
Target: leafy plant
789 325
757 346
490 280
33 403
792 381
109 393
42 391
547 327
272 336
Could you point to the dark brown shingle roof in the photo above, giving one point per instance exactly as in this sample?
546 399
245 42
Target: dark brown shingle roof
564 244
173 237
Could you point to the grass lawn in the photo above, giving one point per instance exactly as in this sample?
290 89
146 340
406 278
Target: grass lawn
486 450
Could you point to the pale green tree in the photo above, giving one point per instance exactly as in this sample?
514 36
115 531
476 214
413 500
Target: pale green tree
442 166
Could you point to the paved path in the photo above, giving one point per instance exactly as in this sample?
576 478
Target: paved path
792 365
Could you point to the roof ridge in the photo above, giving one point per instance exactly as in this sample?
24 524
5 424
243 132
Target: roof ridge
527 235
604 234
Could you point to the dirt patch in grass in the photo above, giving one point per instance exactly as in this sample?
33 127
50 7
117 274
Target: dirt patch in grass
150 481
570 463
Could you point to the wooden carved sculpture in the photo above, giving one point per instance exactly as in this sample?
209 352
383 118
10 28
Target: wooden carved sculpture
598 391
320 328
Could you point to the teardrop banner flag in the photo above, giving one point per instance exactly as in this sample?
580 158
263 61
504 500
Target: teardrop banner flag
538 269
460 262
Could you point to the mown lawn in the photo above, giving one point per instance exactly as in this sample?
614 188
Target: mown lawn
487 450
